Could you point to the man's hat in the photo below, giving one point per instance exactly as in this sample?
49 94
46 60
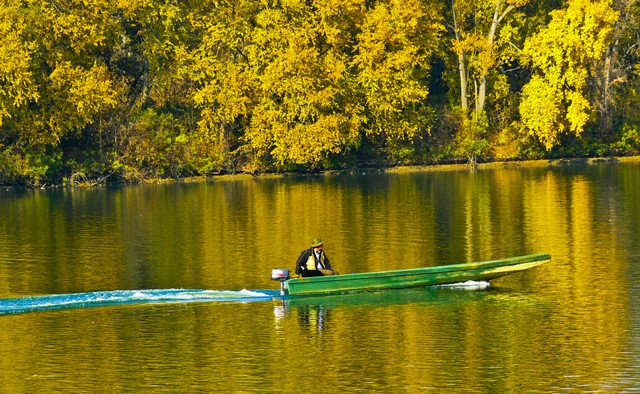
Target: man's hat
316 242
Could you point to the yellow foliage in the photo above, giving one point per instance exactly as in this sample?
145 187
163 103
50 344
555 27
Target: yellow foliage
481 54
17 86
541 112
80 94
287 85
83 24
554 100
290 80
395 46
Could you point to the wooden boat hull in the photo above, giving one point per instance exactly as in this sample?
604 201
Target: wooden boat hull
416 277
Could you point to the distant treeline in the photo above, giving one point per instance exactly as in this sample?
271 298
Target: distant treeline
104 90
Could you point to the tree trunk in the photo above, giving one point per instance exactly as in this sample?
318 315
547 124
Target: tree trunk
462 67
146 85
482 93
606 120
497 18
463 82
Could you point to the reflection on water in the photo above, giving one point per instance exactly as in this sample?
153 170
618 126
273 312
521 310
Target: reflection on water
313 311
570 325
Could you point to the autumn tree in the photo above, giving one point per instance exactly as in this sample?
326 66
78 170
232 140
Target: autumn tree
474 27
53 84
484 38
154 131
615 72
396 45
304 110
555 100
17 84
148 88
224 86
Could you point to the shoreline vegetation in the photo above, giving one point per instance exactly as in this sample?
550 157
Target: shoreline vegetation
399 169
96 92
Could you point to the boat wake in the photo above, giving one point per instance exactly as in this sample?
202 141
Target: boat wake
469 285
126 297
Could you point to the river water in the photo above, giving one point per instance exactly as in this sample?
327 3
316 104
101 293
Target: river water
570 325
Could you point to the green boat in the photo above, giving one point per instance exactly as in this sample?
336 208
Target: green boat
406 278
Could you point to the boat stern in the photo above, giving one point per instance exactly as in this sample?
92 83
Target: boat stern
281 274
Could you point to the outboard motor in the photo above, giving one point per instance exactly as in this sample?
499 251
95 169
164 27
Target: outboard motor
282 275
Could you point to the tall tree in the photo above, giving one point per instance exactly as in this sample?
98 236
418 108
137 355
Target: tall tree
474 27
225 87
555 100
396 46
153 133
485 36
275 74
305 110
615 70
58 75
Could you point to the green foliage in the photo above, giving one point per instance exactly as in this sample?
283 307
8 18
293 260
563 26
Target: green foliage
29 169
156 144
471 142
629 140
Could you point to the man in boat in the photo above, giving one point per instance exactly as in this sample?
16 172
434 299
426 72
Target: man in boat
314 262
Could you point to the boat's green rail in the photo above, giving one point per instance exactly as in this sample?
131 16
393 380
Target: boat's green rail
415 277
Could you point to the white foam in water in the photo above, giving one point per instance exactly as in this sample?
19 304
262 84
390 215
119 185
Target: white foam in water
469 285
98 298
139 294
187 295
244 293
250 293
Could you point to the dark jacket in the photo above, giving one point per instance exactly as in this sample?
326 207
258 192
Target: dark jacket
302 268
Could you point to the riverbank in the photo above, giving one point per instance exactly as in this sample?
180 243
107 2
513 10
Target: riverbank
517 163
434 167
394 169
